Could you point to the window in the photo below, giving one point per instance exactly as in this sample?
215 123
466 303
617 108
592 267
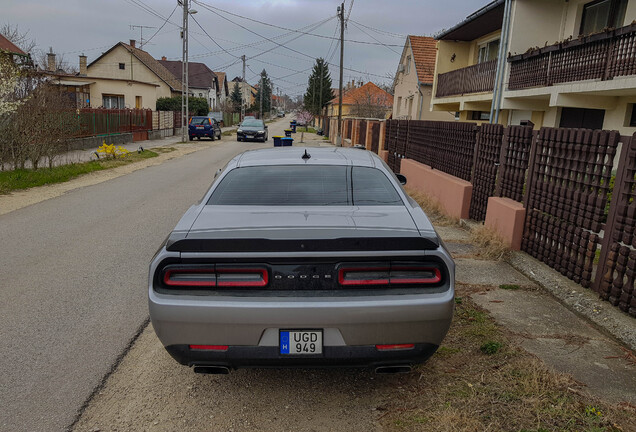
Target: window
480 115
488 51
582 118
399 105
113 101
632 121
138 102
313 185
601 14
407 67
122 66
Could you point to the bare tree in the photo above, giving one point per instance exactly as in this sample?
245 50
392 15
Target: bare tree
371 104
19 38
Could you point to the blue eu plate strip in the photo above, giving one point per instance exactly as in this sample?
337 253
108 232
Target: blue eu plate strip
284 342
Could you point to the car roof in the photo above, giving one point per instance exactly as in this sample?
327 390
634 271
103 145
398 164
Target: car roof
294 156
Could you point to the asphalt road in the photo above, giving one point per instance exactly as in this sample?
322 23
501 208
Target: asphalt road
73 282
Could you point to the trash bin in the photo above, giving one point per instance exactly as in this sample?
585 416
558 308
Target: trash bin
292 126
288 133
278 141
287 141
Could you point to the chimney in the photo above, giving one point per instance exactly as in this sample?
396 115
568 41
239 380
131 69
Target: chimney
50 57
164 58
132 43
82 65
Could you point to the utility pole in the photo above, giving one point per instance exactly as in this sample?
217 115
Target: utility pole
260 92
184 73
342 28
243 90
322 126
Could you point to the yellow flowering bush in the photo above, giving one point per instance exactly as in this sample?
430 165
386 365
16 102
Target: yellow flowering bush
110 150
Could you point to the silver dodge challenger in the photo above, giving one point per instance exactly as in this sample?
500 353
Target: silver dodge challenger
303 257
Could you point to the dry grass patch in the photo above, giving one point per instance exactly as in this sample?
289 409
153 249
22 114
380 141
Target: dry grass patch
463 388
432 208
491 245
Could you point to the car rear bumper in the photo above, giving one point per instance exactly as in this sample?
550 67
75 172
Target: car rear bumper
255 136
350 325
332 356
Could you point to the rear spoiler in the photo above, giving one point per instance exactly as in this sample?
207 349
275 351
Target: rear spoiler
348 244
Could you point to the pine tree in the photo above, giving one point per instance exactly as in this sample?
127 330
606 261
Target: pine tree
264 85
235 97
318 92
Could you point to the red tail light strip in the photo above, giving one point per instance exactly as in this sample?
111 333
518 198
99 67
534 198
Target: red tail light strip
209 347
394 347
211 277
390 279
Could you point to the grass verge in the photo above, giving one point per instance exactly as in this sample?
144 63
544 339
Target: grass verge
25 178
229 132
480 381
432 208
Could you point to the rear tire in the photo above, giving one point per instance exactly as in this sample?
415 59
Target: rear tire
191 137
212 137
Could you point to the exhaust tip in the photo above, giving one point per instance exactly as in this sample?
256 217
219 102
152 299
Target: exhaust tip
393 369
211 370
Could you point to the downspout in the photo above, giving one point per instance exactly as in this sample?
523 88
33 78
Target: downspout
419 89
495 106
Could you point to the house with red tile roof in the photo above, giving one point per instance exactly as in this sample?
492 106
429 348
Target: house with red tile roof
365 101
413 83
10 50
202 82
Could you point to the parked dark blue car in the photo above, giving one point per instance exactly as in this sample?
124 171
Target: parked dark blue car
204 127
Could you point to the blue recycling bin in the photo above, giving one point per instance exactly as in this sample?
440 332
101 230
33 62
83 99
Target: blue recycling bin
277 141
292 126
287 141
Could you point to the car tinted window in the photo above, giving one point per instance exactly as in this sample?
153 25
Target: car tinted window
254 123
284 186
305 186
199 121
371 187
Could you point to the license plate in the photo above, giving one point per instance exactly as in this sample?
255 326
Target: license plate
200 127
300 342
250 136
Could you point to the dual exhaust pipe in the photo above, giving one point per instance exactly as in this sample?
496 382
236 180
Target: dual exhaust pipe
223 370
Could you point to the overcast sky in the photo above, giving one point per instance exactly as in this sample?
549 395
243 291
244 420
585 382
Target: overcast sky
91 27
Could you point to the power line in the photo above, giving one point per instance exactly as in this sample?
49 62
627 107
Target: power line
164 23
395 35
210 8
210 37
372 37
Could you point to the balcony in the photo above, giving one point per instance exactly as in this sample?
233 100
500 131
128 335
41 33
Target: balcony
602 56
472 79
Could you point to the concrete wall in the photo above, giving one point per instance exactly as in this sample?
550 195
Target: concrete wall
96 141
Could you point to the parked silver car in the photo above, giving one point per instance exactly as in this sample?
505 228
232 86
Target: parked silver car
302 257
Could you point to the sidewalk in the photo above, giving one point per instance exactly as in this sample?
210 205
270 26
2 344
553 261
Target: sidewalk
539 323
76 156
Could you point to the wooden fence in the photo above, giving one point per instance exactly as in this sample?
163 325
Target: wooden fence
580 219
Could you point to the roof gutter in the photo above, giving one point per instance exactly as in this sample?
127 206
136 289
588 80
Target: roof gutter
469 18
419 89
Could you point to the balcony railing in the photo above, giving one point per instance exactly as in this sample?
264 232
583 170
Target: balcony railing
472 79
601 56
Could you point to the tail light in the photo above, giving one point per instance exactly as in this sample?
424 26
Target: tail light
394 347
208 276
209 347
390 275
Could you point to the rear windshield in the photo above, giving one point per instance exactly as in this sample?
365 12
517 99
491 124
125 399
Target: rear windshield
200 121
305 186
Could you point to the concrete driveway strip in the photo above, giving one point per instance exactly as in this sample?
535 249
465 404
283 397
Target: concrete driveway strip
73 281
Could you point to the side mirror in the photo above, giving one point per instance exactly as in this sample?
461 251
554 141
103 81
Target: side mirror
401 178
265 126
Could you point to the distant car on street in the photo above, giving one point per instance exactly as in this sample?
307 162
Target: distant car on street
303 257
200 126
252 129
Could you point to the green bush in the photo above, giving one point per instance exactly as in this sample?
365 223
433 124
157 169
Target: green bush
196 106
